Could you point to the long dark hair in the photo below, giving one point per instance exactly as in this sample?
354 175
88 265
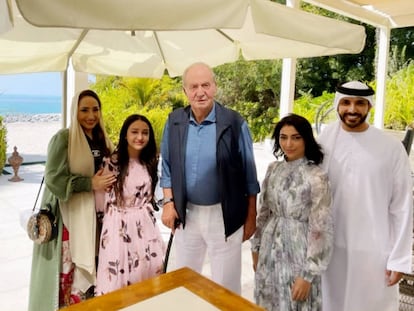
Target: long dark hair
97 132
313 151
148 155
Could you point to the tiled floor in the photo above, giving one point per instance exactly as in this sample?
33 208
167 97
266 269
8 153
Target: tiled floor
16 248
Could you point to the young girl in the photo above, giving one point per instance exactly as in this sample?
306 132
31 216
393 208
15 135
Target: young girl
131 246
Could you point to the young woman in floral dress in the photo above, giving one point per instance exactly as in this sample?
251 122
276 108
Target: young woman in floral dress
293 241
131 246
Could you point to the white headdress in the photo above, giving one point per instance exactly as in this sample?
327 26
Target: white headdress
353 89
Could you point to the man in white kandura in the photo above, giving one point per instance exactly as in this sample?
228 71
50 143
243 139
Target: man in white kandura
371 183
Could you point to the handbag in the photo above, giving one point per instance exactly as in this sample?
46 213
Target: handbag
42 226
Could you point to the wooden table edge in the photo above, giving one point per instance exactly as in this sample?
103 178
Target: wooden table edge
204 288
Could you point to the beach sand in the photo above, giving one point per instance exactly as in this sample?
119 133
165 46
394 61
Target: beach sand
30 138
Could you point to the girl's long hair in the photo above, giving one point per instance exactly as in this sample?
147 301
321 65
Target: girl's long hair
148 156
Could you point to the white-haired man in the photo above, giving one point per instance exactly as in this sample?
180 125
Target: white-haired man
371 183
209 180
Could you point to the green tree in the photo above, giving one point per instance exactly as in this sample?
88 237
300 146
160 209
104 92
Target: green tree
319 74
253 89
123 96
402 41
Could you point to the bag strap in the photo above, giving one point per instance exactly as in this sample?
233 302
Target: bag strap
37 197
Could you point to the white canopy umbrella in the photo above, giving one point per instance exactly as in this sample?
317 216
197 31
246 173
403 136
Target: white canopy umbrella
380 13
145 38
5 17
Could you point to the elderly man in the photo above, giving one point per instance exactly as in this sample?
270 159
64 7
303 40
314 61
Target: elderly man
371 183
209 180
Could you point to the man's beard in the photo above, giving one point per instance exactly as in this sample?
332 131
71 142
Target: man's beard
361 119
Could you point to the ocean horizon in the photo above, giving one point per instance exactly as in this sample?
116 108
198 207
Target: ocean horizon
30 104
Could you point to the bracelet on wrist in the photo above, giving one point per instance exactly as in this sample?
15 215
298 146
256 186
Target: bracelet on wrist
167 200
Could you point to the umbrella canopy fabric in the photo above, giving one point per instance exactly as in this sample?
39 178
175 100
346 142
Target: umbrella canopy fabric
5 17
146 38
380 13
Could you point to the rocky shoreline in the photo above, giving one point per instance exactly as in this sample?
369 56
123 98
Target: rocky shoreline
34 118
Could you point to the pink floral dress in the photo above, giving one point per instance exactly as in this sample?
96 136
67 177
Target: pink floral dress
131 248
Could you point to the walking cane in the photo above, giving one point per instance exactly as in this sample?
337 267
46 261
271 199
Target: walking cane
167 253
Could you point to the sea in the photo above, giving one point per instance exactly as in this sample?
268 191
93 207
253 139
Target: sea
11 104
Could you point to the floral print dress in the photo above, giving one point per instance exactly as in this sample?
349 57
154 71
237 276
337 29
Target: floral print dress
131 247
294 235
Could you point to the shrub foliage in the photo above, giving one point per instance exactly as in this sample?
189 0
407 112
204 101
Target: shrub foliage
251 88
3 144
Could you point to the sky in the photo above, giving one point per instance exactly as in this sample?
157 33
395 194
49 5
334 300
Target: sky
31 84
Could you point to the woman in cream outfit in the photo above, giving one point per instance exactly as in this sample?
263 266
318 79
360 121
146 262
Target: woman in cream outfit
63 270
